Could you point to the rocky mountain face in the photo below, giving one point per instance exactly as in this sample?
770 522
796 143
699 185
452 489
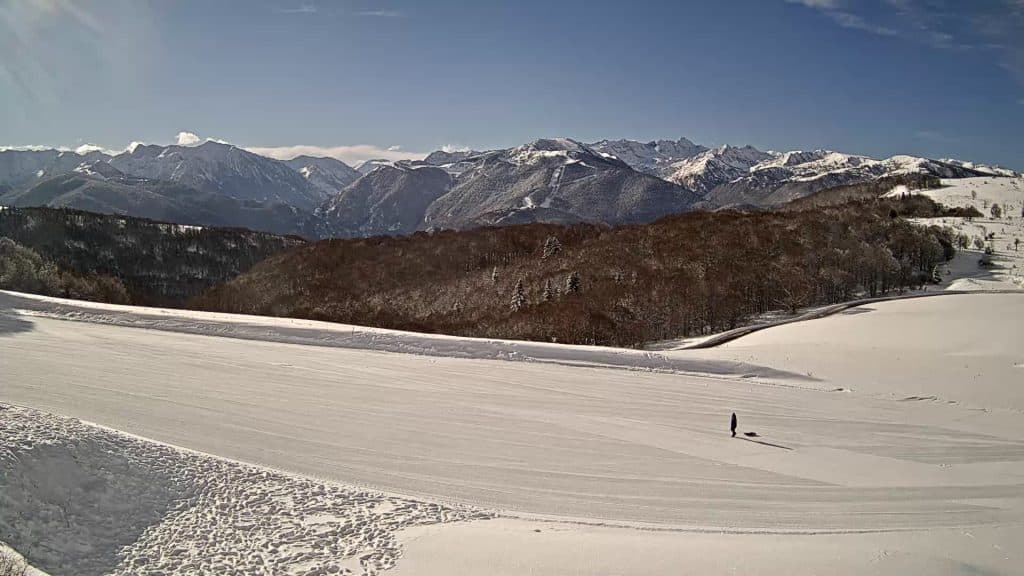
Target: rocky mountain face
87 188
387 200
225 170
23 168
367 166
654 158
213 184
555 180
328 175
785 177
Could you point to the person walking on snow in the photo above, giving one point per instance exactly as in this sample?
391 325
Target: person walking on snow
732 425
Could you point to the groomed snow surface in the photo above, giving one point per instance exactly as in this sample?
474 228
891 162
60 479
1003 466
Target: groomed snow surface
886 439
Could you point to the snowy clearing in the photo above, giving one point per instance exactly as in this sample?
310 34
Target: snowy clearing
916 465
1004 235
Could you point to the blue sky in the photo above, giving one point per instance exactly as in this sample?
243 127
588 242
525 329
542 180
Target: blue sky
354 78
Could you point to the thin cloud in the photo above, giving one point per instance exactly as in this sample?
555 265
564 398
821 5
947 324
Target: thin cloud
855 22
352 154
995 26
818 4
834 10
303 9
382 14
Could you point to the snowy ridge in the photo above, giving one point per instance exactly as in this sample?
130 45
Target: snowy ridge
556 180
710 168
653 157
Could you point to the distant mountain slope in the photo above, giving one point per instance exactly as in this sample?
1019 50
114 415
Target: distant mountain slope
87 189
555 180
711 168
368 166
556 176
225 170
21 168
654 158
329 175
792 175
158 263
387 200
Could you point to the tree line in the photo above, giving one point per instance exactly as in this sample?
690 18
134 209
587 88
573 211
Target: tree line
127 259
688 274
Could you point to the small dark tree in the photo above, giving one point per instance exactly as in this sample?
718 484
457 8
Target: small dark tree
997 211
549 294
551 247
518 301
572 283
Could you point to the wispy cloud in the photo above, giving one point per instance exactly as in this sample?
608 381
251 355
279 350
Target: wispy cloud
994 26
382 14
302 9
837 12
820 4
350 154
856 22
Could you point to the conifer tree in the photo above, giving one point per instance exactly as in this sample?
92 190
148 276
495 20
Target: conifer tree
518 301
548 293
572 283
551 247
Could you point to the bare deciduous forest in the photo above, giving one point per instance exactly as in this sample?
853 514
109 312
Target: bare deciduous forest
684 275
77 254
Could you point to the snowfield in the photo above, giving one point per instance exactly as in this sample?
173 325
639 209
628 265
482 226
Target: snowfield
80 499
1007 243
884 439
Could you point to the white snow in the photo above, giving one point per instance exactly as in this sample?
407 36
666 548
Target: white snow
888 438
1007 245
81 499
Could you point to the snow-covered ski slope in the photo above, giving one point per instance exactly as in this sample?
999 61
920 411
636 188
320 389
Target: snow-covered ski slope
889 437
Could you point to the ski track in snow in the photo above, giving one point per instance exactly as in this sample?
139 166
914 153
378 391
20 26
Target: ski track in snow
920 441
120 505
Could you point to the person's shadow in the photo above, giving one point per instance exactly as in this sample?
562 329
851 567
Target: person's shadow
750 438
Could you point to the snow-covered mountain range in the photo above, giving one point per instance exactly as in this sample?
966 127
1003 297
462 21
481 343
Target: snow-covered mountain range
547 180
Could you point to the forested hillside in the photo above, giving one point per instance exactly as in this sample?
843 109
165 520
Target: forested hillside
687 274
157 263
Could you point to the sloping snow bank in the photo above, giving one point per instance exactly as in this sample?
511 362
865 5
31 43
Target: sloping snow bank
313 333
81 499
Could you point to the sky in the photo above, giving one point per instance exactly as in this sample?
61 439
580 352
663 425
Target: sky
358 79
